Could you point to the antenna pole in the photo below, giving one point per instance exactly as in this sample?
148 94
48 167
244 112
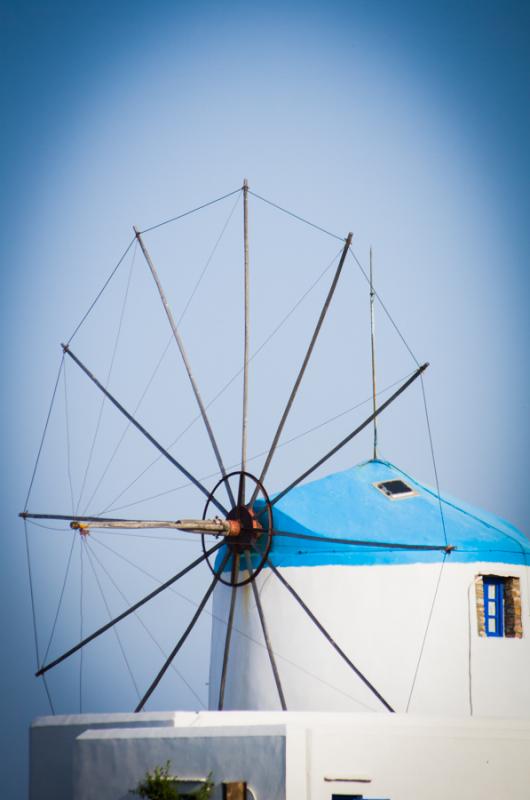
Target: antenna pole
241 493
372 336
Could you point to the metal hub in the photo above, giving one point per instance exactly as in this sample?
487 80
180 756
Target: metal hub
250 529
251 534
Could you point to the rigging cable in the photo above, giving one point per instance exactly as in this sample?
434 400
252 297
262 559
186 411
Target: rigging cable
144 626
208 261
26 537
322 537
435 468
263 452
48 695
234 628
107 381
81 571
33 611
133 240
396 328
118 638
231 381
113 272
160 360
326 634
442 518
295 216
68 448
44 433
466 513
191 211
429 618
387 312
59 604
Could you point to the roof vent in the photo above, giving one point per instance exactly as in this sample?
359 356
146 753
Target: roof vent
396 489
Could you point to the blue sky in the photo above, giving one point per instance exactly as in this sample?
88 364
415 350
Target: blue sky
406 123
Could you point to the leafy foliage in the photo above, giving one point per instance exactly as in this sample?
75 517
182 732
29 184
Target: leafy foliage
158 784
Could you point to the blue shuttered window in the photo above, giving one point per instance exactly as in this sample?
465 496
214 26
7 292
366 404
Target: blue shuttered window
493 605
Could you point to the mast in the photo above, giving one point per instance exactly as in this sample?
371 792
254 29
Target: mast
241 493
372 337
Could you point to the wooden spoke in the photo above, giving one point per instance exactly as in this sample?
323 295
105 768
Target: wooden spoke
214 526
180 345
330 639
305 362
261 615
147 435
228 638
130 610
350 436
184 636
246 351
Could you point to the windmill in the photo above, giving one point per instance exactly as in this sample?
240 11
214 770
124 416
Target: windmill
351 569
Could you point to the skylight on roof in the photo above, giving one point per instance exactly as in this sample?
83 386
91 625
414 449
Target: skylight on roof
395 489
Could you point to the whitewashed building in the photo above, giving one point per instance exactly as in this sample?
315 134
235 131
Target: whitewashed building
398 624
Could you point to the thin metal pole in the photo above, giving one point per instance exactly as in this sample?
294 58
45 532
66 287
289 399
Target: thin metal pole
183 638
241 490
213 526
185 359
303 368
261 615
348 438
372 336
332 642
130 610
139 427
228 639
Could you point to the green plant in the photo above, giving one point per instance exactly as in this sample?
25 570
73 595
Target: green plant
203 792
158 784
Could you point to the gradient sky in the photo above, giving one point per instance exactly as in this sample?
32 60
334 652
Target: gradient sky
406 123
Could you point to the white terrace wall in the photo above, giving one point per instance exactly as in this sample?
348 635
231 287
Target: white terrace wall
52 743
287 756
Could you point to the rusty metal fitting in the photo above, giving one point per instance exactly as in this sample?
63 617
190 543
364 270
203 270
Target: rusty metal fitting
82 527
234 527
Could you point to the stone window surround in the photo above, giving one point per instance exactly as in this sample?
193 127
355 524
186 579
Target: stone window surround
513 625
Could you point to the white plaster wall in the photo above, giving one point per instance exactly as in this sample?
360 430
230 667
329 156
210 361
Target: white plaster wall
52 742
404 757
379 616
299 755
108 764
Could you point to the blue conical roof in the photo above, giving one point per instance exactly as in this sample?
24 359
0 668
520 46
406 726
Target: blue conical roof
348 505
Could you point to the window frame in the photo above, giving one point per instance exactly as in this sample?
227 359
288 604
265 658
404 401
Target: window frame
498 583
379 485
